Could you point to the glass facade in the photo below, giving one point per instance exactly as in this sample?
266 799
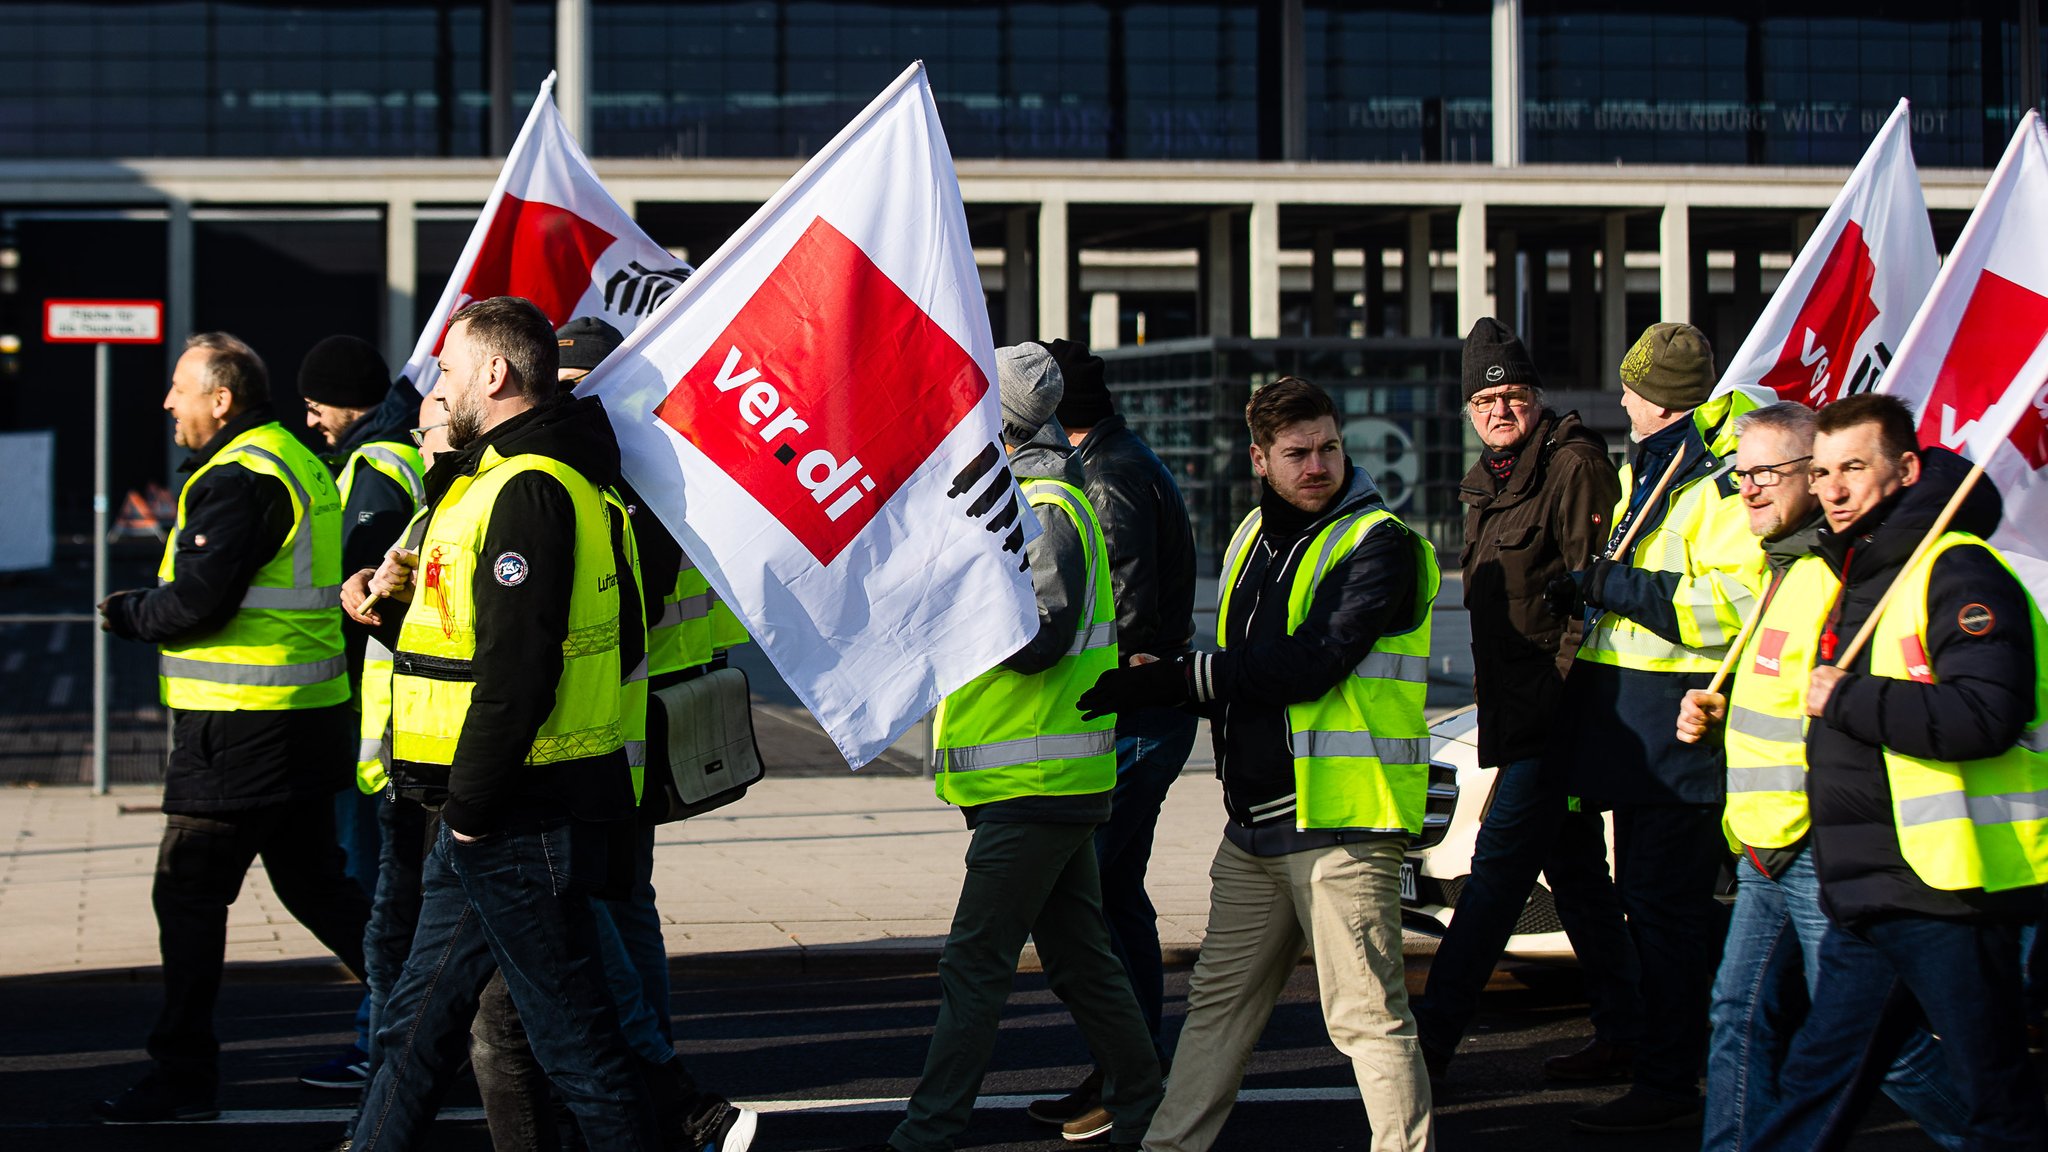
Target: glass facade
1398 82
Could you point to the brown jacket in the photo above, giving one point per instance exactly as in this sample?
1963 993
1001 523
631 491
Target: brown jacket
1551 517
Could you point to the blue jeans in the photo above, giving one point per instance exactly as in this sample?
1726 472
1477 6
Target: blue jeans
636 958
1879 985
1529 828
1770 972
1151 748
517 901
394 907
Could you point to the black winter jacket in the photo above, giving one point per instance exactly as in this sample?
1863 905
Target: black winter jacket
1981 698
1151 547
375 516
519 632
235 521
1550 518
1246 688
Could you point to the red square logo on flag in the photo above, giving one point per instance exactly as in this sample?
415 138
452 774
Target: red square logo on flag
826 393
536 250
1770 647
2000 327
1837 310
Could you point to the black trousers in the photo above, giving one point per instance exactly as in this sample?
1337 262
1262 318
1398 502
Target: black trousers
199 870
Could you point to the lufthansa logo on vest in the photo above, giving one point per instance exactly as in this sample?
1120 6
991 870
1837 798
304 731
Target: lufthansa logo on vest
1975 619
510 569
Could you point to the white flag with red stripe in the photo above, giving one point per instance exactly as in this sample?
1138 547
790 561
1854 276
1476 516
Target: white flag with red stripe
814 415
1970 365
1836 320
551 233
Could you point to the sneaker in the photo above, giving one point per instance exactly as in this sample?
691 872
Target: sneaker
1086 1097
154 1099
350 1070
1088 1125
1598 1060
1641 1110
716 1125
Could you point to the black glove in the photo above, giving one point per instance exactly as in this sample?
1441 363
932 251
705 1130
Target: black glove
1160 684
1562 595
1593 581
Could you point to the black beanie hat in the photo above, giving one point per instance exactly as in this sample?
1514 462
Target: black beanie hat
1494 356
1087 402
586 341
344 372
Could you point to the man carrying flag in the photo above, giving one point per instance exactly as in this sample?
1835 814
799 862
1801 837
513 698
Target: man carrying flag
1925 759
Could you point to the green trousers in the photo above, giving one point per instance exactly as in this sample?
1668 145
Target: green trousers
1037 881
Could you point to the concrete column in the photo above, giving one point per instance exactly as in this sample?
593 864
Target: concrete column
1474 300
1415 275
1322 285
1674 262
1507 83
1265 270
1019 293
1219 277
180 288
1585 314
1802 230
1614 334
1507 281
572 67
401 274
1103 317
1052 270
1749 283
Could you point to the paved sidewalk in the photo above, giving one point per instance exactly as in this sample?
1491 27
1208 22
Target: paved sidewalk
840 872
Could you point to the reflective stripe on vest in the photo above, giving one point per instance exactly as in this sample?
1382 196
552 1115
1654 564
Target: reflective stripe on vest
633 700
401 462
1004 734
373 744
1975 823
1361 751
282 648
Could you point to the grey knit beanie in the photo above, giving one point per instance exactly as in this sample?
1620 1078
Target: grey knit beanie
1029 382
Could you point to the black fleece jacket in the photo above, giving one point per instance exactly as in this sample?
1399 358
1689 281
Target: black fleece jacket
520 628
376 513
1981 698
1151 547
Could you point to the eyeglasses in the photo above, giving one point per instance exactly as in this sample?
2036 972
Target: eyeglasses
314 408
1516 398
419 435
1768 475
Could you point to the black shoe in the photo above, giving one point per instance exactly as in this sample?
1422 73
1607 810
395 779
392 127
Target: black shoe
1641 1110
155 1099
350 1070
1598 1060
1086 1097
716 1125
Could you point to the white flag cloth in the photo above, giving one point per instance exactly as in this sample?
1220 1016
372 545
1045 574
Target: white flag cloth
1969 367
1836 320
814 416
551 233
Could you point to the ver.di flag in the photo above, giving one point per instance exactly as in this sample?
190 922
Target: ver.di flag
1836 320
1970 347
814 416
551 233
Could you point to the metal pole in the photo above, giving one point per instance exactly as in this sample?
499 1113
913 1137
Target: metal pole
99 567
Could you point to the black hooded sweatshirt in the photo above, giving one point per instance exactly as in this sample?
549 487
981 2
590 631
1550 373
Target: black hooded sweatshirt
519 632
1981 699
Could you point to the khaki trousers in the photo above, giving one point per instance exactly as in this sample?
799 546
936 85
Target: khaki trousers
1345 902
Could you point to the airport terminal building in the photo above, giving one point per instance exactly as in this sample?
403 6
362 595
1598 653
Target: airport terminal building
1219 191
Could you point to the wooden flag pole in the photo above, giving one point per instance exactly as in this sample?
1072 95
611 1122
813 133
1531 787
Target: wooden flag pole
1656 494
1941 523
1727 667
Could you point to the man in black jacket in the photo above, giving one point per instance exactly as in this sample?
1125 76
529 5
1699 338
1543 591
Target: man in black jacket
248 776
1537 504
1311 850
1947 688
524 815
1152 572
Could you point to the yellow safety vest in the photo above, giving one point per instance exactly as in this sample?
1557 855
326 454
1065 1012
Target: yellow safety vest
681 637
726 629
1976 823
432 681
401 462
1361 750
282 648
633 688
1765 740
1704 539
1004 734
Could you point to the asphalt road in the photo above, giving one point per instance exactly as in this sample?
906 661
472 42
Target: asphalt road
835 1056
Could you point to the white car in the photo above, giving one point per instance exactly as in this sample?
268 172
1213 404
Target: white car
1441 858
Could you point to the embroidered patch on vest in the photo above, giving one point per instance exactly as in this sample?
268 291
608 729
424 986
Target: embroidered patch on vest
510 569
1769 651
1917 669
1975 619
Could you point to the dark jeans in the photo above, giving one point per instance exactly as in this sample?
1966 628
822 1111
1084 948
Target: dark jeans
1036 880
517 901
199 870
1667 860
1528 828
1151 748
1959 981
395 909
